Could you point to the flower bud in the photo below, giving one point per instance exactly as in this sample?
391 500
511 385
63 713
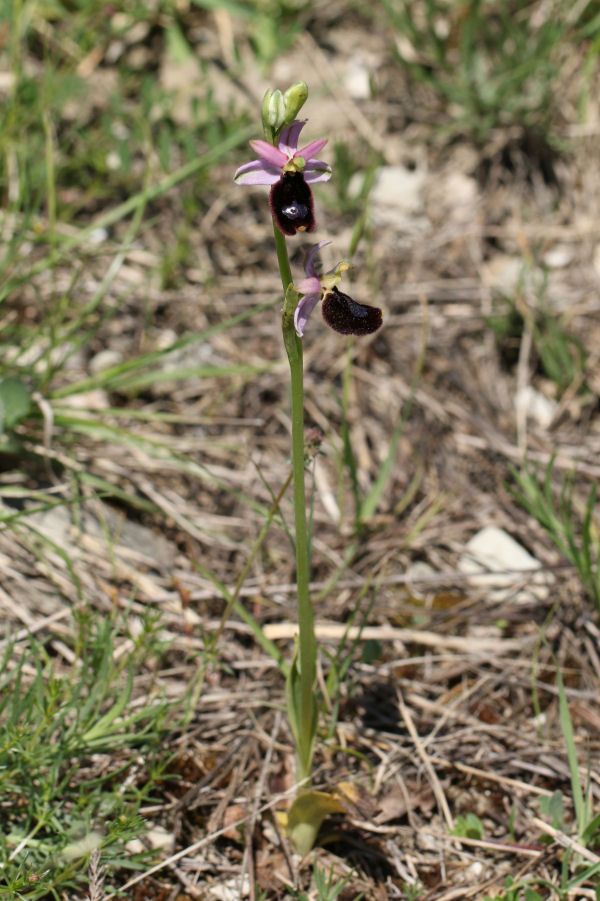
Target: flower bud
294 99
273 111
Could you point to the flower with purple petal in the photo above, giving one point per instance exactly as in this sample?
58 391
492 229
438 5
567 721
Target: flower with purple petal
340 312
289 171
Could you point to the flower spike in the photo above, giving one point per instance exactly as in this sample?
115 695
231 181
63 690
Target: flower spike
289 171
340 312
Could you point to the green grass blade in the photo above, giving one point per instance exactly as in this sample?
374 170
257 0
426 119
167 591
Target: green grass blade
566 725
110 217
115 376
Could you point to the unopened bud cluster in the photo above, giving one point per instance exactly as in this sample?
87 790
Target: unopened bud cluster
280 109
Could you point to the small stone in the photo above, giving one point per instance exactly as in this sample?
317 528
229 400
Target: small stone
135 846
98 236
159 838
453 198
104 360
399 188
474 871
503 273
559 256
231 889
536 406
493 558
96 399
397 199
358 80
418 578
83 846
113 161
138 31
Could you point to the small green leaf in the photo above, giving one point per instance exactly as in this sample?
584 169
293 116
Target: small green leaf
103 726
531 895
372 650
591 834
292 691
468 827
304 731
178 49
553 807
15 402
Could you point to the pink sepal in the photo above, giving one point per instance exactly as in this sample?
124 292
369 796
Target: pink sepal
318 171
310 151
269 153
303 311
310 268
257 172
310 285
288 139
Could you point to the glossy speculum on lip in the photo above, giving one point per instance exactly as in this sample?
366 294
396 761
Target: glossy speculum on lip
292 204
347 316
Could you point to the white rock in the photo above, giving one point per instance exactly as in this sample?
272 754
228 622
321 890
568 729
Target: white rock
120 130
405 48
357 80
397 200
113 160
398 189
98 235
231 890
128 540
503 273
166 338
453 198
105 359
160 838
463 194
536 406
135 846
96 399
474 871
559 256
7 79
418 578
494 559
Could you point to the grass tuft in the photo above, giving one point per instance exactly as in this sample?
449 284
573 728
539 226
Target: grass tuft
569 523
81 752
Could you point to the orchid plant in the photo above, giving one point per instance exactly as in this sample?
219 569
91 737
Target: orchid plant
289 172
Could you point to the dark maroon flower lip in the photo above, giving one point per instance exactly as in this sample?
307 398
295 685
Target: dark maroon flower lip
291 203
347 316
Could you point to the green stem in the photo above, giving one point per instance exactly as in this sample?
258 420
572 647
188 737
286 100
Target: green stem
305 715
284 265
